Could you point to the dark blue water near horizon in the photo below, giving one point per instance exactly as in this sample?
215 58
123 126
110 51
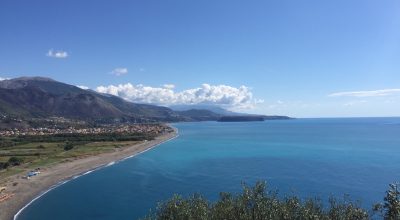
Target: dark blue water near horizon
308 157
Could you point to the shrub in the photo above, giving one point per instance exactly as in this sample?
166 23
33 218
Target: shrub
4 165
68 146
256 203
390 209
40 147
15 161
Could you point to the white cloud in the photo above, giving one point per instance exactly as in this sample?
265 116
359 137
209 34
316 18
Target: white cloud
370 93
83 87
1 78
57 54
119 71
222 95
169 86
353 103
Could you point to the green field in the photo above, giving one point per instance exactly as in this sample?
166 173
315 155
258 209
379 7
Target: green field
39 154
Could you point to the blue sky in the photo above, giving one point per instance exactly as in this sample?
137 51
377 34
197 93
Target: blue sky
299 58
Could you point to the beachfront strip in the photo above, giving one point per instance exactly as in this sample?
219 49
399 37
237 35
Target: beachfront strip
155 129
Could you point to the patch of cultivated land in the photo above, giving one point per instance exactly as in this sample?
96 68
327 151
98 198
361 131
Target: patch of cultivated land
36 155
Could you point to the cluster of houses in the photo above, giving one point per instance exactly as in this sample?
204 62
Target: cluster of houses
134 128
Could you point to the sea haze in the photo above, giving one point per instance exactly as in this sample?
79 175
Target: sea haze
308 157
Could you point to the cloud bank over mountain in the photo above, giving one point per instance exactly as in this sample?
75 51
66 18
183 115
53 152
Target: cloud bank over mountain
222 95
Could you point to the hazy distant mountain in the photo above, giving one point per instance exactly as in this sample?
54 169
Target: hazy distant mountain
200 115
214 113
212 108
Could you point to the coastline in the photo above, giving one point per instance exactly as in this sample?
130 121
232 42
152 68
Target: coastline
27 191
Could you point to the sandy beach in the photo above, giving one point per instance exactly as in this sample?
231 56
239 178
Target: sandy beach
25 190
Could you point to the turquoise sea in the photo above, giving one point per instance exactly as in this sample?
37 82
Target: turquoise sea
308 157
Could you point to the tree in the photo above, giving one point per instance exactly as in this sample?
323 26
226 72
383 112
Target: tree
4 165
68 146
15 161
390 209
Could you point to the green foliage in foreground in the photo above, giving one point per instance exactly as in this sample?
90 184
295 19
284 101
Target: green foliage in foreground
390 209
257 203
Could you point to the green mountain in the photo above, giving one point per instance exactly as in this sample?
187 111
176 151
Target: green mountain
43 97
25 98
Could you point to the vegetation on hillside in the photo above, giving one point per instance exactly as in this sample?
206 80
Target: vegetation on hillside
257 203
37 97
43 102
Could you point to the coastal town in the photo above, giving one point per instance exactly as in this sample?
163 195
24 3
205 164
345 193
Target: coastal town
154 129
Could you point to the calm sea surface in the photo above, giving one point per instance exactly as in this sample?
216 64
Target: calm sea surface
308 157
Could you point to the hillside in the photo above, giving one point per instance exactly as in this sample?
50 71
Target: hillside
200 115
43 97
28 98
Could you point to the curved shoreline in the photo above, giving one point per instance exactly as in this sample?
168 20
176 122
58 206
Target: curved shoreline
54 176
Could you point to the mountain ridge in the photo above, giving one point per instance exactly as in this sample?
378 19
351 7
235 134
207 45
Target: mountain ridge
41 97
